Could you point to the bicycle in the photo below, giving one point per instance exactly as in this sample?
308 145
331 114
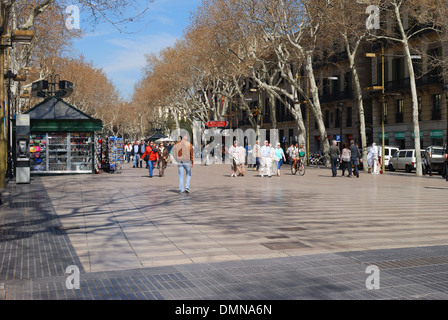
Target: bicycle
300 167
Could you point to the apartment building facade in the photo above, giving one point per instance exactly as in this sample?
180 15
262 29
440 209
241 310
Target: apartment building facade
339 101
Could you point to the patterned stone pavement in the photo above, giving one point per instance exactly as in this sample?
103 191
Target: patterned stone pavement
243 238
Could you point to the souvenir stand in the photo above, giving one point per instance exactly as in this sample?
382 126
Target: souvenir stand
115 154
62 138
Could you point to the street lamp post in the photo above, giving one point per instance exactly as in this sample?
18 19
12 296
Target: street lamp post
341 110
9 76
383 94
445 87
18 36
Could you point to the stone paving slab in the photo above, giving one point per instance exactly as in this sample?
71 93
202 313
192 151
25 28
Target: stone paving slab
282 238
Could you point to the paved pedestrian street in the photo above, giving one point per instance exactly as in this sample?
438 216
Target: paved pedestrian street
127 236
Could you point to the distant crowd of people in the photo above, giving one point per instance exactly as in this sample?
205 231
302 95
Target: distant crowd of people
154 155
259 157
159 155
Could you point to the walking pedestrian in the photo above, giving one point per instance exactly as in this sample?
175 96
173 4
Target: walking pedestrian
234 157
163 159
280 157
354 151
257 154
183 154
141 152
153 157
242 160
128 150
345 160
289 152
334 158
135 154
266 160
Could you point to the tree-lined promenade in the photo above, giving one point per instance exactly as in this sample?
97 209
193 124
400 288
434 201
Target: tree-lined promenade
233 53
234 50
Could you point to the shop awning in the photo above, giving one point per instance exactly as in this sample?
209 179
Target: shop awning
65 125
54 114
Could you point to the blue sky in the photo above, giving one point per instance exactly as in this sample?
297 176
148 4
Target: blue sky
122 55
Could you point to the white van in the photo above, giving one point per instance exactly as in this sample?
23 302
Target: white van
388 153
404 160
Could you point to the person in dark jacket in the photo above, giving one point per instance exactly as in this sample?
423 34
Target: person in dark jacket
354 157
334 158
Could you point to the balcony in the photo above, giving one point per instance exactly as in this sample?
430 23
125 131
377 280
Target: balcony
331 97
398 85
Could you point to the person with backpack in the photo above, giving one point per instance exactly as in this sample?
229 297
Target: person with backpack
345 160
150 156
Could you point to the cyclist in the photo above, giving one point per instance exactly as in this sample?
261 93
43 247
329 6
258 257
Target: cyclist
295 154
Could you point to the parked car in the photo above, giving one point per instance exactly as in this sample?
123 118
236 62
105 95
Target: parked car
404 160
437 157
388 153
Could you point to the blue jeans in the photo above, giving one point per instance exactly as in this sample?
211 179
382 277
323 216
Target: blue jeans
334 166
279 164
136 157
151 167
347 164
257 162
354 162
181 166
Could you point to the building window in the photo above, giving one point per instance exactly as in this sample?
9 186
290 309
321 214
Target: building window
399 111
385 112
338 121
436 111
349 117
327 118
